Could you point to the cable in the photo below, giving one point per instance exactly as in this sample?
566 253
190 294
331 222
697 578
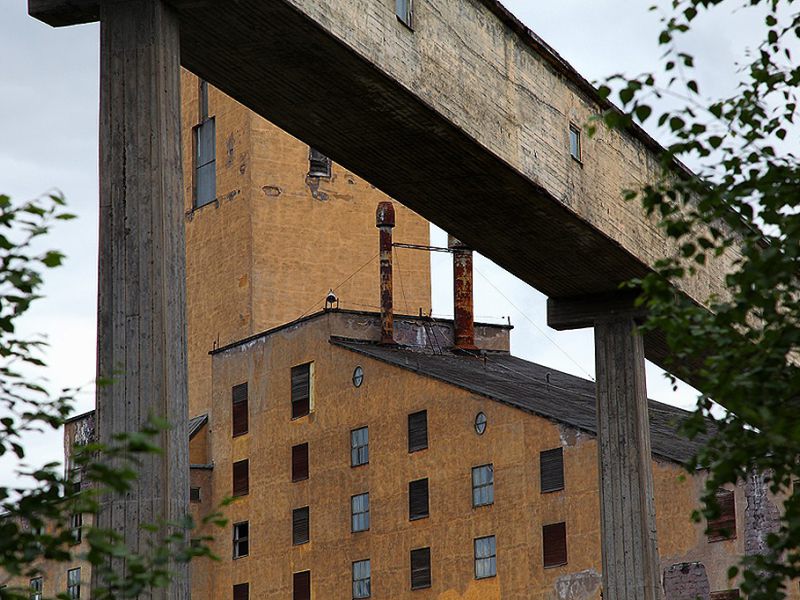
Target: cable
539 329
349 277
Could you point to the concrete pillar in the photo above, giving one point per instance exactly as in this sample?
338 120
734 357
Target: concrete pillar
141 295
627 510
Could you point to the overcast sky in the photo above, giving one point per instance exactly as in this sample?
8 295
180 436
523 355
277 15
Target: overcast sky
48 139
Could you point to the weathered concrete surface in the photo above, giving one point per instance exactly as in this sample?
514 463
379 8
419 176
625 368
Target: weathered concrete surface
686 581
141 328
761 516
465 120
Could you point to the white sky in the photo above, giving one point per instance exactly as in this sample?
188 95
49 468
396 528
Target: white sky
48 139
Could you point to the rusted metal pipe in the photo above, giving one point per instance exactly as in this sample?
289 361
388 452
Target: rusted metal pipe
384 221
463 320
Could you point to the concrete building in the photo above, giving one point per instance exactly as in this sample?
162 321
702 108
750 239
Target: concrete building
361 469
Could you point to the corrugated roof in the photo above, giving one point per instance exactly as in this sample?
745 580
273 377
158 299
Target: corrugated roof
196 423
531 387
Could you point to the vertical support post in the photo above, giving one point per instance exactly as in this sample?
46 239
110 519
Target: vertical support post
627 510
141 294
463 303
384 220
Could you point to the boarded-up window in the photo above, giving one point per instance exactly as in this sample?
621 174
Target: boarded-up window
239 409
551 470
420 568
300 526
319 165
485 557
205 163
241 591
241 477
241 539
359 446
554 544
301 586
404 9
301 390
418 431
724 526
359 505
300 462
725 595
417 499
482 485
194 494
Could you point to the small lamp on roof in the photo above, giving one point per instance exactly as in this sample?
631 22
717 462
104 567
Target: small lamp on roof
331 301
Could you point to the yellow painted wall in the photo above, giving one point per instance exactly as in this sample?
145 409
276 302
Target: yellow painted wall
273 243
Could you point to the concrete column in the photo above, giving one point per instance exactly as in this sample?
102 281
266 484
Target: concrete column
627 510
141 295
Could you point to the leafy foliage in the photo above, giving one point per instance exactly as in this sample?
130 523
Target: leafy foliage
739 212
36 522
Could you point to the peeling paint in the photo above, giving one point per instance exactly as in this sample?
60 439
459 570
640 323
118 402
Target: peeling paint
686 581
229 150
313 185
272 191
578 586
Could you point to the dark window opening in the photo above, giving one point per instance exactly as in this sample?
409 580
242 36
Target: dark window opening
194 494
300 526
301 390
575 142
551 470
37 584
724 526
239 409
76 527
554 544
418 431
417 499
241 478
241 591
319 165
205 162
241 539
725 595
301 586
420 568
300 462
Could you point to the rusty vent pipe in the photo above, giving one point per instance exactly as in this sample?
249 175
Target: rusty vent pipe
384 221
463 320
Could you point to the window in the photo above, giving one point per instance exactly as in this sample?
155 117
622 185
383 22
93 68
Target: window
194 494
724 526
404 9
361 579
420 568
551 470
241 478
300 526
241 539
241 591
482 485
725 595
480 423
301 585
359 506
239 409
205 163
301 390
575 142
319 165
554 544
359 446
36 588
74 583
418 431
76 526
300 462
417 499
485 557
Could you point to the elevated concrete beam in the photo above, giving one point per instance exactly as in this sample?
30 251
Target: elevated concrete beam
464 119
